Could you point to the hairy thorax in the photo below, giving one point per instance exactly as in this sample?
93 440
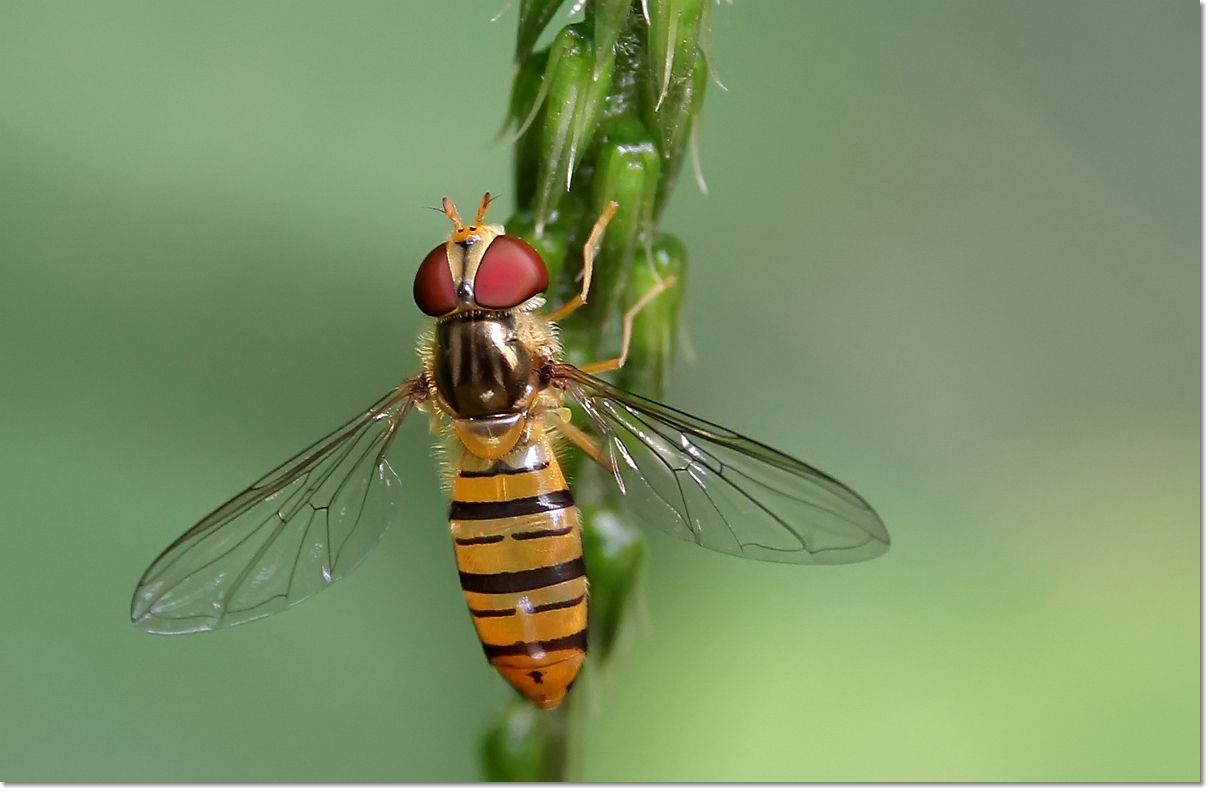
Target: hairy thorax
480 365
486 371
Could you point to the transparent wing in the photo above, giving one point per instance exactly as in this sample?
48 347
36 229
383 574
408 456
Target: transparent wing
710 485
297 530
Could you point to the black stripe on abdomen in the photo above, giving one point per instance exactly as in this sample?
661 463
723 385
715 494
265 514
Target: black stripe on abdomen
550 606
518 507
501 469
531 648
478 540
525 580
493 613
522 536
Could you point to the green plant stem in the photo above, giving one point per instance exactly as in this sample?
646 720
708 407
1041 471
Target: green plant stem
603 114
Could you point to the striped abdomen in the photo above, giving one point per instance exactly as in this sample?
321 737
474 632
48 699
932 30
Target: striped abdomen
517 540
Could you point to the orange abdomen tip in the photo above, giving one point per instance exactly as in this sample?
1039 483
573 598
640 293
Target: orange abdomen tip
544 685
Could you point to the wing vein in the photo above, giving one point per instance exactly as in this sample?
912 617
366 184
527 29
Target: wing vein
754 501
261 552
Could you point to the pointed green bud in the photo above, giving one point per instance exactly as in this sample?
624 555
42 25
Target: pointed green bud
672 43
653 335
628 172
526 744
527 87
674 123
535 15
613 553
574 101
707 42
608 18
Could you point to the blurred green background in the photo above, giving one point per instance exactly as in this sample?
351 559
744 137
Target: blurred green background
950 253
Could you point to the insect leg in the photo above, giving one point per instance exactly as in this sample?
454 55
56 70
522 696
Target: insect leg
590 252
560 421
613 364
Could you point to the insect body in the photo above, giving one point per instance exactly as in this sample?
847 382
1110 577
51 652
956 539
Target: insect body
517 540
495 384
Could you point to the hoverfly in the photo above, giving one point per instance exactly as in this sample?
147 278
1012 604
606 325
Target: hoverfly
494 384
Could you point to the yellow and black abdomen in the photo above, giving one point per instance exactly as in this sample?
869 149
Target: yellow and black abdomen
517 540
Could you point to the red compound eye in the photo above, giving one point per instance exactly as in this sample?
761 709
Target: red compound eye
433 289
510 273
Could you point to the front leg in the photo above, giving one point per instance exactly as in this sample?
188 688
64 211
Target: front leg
589 253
